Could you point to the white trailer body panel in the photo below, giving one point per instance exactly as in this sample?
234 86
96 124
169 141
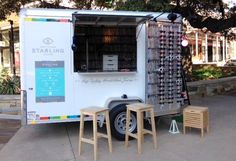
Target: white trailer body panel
45 44
55 93
46 64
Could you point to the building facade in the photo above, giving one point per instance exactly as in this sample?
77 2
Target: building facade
9 44
210 48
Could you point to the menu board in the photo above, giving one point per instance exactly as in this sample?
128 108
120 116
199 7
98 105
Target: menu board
50 81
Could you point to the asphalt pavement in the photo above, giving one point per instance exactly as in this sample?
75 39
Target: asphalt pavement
8 128
59 142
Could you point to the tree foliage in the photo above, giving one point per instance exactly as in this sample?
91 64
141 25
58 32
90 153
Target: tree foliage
89 4
213 15
6 7
9 6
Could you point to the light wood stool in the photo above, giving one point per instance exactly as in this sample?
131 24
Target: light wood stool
140 108
196 117
94 112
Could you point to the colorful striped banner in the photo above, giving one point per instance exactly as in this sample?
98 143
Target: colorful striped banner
59 117
45 20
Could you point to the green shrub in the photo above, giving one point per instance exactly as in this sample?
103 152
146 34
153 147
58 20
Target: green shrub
9 84
207 73
4 72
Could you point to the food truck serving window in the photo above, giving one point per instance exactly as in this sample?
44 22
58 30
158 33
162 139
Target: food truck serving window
105 43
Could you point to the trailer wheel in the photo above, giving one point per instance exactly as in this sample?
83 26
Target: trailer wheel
118 122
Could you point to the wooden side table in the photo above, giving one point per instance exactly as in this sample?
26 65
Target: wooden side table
196 117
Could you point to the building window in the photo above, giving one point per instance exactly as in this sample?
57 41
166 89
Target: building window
6 58
5 38
5 50
16 36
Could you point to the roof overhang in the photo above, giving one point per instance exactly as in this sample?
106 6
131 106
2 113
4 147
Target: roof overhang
109 19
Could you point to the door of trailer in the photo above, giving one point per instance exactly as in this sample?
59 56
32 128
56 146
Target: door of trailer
163 74
46 68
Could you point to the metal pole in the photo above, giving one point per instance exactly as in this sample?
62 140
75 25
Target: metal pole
12 50
23 108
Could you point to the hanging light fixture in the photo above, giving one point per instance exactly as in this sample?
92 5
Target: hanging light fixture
184 42
172 17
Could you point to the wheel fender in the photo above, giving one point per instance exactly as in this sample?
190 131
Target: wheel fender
113 102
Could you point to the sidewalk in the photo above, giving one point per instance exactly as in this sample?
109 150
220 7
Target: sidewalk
58 142
8 128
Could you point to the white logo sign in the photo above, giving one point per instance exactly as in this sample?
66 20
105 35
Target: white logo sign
48 41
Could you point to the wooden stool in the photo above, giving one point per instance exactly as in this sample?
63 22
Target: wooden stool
139 108
94 112
196 117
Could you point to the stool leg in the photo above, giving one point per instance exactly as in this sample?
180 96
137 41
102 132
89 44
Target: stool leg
142 126
139 131
202 132
202 125
108 131
184 130
95 136
208 129
153 129
127 127
81 132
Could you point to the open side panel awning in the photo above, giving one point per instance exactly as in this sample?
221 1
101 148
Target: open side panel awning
109 19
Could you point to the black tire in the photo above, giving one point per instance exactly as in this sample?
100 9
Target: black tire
118 120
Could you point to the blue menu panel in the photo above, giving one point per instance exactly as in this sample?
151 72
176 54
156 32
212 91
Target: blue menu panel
50 81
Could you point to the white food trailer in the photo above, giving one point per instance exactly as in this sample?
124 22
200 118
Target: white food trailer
72 59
